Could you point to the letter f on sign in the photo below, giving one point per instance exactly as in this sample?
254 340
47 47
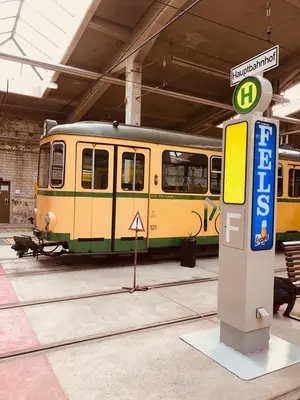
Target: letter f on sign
230 227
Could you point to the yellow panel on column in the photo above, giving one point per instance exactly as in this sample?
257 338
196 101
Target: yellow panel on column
234 190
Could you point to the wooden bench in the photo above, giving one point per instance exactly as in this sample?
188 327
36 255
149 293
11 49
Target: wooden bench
292 260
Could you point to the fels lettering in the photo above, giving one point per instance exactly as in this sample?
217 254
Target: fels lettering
265 164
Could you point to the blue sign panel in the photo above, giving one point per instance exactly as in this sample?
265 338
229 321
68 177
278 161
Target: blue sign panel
264 196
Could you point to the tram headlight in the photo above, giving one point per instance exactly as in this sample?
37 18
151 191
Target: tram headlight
50 221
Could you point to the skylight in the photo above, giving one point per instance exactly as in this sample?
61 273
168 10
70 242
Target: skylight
39 29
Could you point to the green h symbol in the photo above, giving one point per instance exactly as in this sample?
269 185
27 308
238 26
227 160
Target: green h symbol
248 94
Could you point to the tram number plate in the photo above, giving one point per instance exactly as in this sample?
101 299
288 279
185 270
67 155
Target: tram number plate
153 227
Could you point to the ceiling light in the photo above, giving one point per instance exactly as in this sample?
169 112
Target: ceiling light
200 68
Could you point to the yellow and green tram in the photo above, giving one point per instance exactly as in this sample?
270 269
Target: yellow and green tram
95 176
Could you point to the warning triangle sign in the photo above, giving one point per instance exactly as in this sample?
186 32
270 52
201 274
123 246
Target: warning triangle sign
137 223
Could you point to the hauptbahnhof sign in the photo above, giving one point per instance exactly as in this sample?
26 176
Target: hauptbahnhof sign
263 62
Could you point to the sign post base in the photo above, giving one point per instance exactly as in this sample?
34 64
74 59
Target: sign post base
244 342
136 289
280 354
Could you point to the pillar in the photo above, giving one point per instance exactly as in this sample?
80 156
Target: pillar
133 92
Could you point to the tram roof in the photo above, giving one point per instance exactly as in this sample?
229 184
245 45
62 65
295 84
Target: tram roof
137 133
150 135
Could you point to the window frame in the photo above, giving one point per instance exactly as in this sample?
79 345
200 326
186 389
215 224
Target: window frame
135 154
216 172
282 179
93 168
183 192
63 165
39 166
94 165
294 170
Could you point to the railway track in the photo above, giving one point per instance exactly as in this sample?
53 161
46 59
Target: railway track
100 336
29 303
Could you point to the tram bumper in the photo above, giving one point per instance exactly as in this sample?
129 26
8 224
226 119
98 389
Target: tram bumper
24 245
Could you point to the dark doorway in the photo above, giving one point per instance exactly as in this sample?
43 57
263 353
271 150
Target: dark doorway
4 202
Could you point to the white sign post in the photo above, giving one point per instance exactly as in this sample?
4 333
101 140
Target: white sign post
137 226
261 63
243 344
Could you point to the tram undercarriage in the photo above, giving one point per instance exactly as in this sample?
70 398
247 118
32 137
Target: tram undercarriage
26 247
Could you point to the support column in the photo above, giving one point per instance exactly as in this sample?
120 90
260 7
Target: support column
133 92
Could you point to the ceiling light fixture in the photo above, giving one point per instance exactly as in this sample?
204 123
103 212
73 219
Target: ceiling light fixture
200 68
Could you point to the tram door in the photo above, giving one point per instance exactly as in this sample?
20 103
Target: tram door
132 196
93 197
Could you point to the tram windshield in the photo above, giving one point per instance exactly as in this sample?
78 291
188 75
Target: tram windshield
44 163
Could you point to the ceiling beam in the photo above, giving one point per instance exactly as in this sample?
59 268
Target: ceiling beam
109 80
82 27
111 29
157 15
294 2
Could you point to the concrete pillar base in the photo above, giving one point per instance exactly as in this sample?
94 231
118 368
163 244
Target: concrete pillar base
244 342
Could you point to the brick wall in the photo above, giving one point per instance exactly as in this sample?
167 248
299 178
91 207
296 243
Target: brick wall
19 143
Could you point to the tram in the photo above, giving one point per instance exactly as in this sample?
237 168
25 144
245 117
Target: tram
93 177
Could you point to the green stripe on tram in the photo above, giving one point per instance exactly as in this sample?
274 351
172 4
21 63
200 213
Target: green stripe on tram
62 193
128 194
125 194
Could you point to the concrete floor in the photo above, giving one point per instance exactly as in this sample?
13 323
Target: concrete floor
153 364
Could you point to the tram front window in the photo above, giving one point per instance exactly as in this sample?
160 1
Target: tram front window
44 161
57 164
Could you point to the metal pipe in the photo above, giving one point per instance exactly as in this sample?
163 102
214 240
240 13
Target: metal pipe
78 72
290 133
278 98
200 68
65 69
289 120
215 72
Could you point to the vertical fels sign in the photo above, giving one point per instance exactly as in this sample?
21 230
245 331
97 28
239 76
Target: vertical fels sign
262 232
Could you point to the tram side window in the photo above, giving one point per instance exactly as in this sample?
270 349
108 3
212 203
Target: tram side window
101 169
294 182
44 161
280 181
57 165
215 175
184 172
133 180
94 174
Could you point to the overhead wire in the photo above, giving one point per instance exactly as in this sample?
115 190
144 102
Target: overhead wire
127 54
186 11
234 29
130 46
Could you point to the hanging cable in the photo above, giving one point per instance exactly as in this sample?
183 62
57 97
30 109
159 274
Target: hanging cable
232 28
268 13
129 54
